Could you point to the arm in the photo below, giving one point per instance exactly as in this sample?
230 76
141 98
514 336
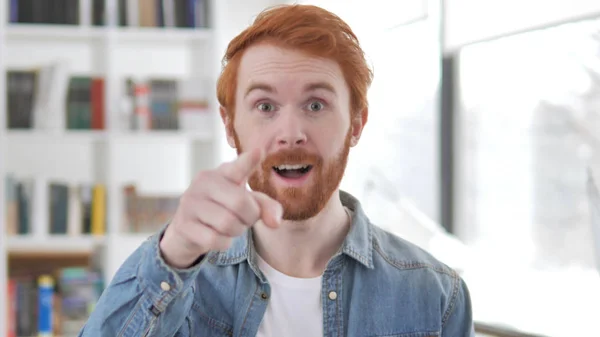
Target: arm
146 297
458 318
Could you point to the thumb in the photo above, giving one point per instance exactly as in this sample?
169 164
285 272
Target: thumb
271 211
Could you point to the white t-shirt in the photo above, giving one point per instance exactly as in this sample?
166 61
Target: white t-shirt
294 308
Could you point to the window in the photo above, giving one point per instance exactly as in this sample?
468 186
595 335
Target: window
528 129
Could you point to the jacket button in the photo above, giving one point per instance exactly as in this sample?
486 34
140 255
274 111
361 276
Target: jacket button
165 286
264 296
332 295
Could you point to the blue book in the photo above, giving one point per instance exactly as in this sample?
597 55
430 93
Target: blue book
45 307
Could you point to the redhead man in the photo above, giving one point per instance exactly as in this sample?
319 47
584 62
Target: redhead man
292 255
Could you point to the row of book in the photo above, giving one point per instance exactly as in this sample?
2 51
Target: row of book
53 99
50 98
56 304
163 13
59 12
38 206
146 213
41 207
166 104
133 13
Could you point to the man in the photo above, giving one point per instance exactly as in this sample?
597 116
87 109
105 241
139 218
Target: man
292 255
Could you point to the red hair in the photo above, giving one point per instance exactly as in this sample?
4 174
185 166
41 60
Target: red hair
307 28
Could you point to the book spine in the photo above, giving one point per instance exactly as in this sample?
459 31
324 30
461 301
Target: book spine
45 305
12 308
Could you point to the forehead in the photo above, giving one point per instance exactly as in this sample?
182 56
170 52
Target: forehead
269 63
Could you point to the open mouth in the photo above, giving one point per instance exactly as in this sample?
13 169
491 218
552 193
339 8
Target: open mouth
292 171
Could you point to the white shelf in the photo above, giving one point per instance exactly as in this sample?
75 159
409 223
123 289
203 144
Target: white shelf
59 32
43 136
162 35
70 136
22 31
160 135
53 244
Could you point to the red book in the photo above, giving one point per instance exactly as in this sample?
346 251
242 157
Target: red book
12 309
97 103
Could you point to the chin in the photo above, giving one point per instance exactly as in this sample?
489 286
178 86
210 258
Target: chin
301 204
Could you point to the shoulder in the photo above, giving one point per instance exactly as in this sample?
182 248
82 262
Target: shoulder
427 279
401 254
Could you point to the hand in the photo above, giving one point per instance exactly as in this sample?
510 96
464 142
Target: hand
215 209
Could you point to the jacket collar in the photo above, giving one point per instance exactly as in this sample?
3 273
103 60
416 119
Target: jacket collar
357 245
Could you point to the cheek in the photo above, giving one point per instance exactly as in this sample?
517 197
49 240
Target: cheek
247 137
256 133
328 144
333 132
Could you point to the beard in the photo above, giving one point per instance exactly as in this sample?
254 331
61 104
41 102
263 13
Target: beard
301 203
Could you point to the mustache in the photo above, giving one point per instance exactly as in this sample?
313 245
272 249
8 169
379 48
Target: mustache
292 157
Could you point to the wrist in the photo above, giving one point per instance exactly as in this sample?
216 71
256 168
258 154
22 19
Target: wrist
175 254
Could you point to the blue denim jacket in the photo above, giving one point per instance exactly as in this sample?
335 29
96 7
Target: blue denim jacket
385 286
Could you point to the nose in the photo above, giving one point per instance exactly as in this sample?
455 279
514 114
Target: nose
290 130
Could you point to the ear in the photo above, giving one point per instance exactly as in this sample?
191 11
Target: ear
357 123
228 123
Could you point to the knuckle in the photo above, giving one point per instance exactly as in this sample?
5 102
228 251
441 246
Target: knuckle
201 178
209 237
228 223
254 212
239 201
251 212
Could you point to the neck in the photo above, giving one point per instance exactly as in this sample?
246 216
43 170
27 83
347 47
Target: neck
303 248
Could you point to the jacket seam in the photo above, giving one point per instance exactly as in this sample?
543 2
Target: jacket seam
453 299
188 321
150 326
405 265
420 265
249 307
339 305
325 311
130 318
231 259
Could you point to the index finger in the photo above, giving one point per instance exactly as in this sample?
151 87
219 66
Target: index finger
240 169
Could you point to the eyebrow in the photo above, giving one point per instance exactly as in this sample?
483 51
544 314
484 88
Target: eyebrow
259 86
309 87
320 86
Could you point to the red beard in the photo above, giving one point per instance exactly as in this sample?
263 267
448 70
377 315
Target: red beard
301 203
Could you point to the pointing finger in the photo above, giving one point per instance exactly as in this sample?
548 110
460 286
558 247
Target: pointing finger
240 169
270 210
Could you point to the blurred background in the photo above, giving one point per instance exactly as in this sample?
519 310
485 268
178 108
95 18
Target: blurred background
482 140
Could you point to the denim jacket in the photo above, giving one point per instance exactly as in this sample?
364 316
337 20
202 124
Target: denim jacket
376 285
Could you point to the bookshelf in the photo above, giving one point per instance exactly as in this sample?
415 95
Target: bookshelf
23 245
58 146
4 308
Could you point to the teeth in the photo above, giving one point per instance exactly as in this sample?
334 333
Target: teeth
291 167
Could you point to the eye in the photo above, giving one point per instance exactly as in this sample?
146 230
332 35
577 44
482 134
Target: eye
315 106
265 107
